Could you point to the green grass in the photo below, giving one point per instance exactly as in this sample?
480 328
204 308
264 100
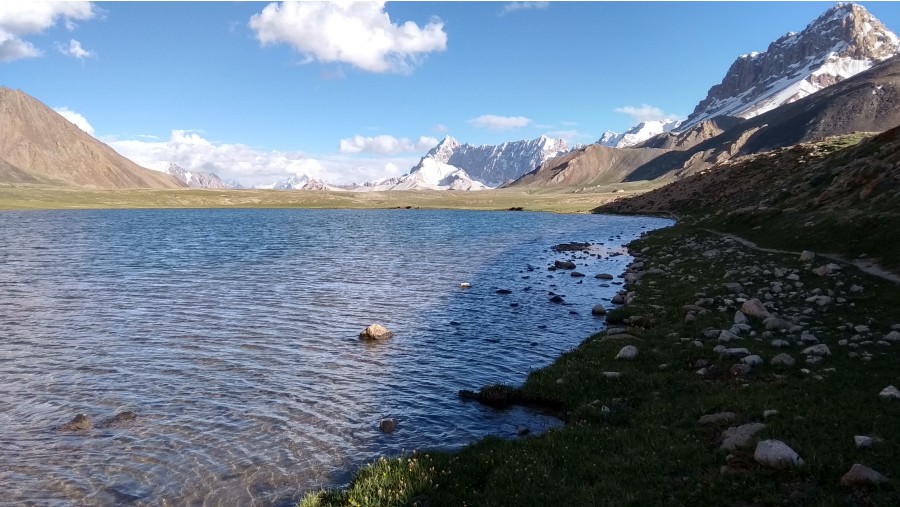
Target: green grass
646 447
563 200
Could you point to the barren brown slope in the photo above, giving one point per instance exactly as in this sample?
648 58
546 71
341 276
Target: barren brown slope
867 102
37 145
592 165
839 194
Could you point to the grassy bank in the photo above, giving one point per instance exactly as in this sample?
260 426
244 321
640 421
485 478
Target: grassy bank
561 200
636 439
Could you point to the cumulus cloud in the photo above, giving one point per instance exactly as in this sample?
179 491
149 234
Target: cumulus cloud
645 112
520 6
386 145
79 120
252 166
359 33
494 122
74 50
24 18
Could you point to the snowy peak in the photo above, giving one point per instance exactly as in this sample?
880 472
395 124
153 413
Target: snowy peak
444 149
494 165
842 42
637 134
196 179
303 182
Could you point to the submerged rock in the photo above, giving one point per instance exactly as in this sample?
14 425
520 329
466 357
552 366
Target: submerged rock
78 423
564 265
375 332
388 426
120 418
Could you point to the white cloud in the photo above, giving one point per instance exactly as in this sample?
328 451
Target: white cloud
645 112
79 120
252 166
519 6
439 128
386 145
19 19
74 50
494 122
358 33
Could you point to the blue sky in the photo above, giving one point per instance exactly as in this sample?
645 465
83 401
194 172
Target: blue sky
260 91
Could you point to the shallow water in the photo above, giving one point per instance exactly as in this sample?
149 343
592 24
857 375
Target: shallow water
233 335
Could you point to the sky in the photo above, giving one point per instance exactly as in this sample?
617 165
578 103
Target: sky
262 91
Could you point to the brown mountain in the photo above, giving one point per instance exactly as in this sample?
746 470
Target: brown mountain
866 102
38 145
591 165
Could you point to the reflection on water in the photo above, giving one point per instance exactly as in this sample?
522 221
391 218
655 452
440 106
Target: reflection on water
233 335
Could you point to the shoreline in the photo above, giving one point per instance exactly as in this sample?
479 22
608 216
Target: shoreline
635 427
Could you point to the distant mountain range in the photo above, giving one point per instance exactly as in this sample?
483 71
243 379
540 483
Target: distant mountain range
850 40
838 75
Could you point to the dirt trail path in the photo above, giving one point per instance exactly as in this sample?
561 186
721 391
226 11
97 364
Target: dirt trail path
866 265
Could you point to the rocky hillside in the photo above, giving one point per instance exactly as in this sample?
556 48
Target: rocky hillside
38 145
589 166
867 102
839 44
639 133
842 190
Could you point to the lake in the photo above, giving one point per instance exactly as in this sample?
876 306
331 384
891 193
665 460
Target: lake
233 335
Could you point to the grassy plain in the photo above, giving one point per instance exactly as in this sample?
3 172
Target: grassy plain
561 201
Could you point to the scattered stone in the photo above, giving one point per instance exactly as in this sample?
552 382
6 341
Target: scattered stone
504 291
612 375
889 393
754 308
375 332
388 426
807 337
740 370
807 256
741 436
598 310
863 441
522 431
465 285
783 360
775 324
861 329
893 336
860 475
780 344
564 265
734 353
576 274
604 276
618 299
727 336
776 454
769 413
720 417
740 318
820 350
559 299
753 361
734 288
78 423
628 353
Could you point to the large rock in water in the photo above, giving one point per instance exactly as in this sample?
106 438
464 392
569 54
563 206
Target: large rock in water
78 423
375 332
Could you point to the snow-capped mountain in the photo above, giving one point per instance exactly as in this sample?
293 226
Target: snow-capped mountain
839 44
301 182
637 134
494 165
431 173
196 179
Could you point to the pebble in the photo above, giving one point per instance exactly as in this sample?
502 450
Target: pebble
820 350
737 437
776 454
863 441
783 360
628 353
862 475
889 393
716 418
753 361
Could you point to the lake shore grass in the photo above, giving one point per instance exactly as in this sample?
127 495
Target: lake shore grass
566 200
633 436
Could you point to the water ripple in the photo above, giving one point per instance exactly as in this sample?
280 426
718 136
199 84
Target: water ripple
232 335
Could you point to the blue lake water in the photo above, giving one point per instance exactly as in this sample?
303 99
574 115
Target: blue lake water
232 334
